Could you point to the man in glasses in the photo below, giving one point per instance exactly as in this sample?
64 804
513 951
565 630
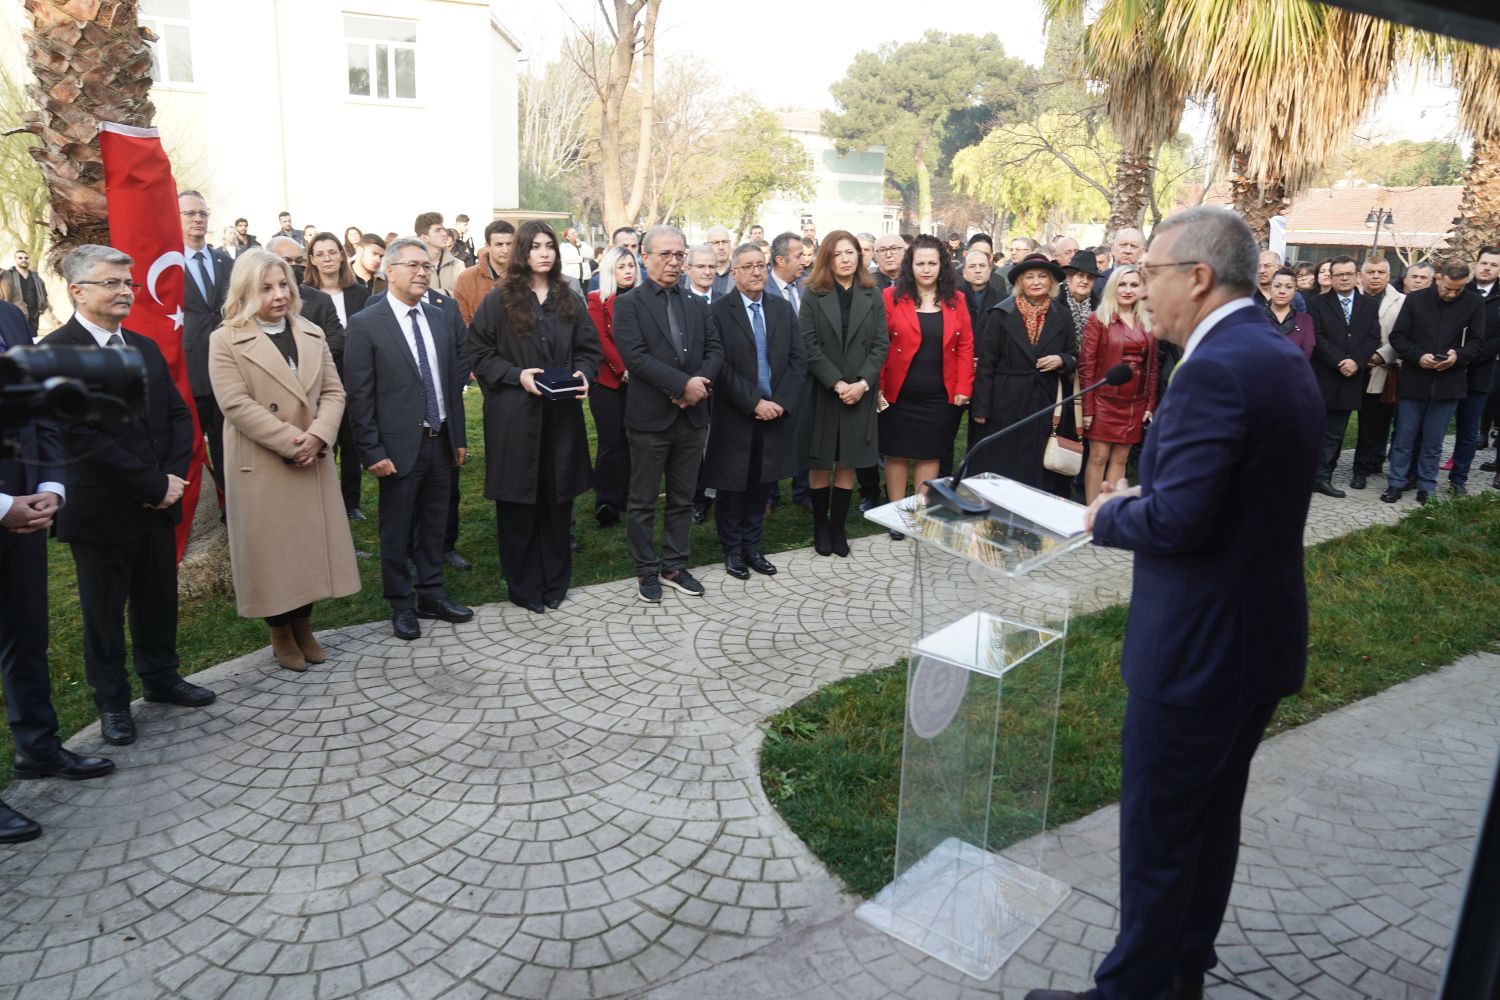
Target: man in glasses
205 284
124 505
890 248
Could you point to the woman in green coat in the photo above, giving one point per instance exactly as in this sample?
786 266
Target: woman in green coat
843 321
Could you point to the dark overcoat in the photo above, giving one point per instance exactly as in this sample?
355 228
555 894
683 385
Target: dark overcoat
1334 340
831 431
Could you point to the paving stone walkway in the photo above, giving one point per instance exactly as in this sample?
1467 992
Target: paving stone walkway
568 807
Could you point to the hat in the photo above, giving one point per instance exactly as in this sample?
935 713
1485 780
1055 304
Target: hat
1085 261
1037 262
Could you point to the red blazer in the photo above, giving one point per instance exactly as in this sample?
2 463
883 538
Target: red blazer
1101 352
906 336
612 368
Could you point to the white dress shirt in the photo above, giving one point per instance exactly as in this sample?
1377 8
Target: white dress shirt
401 309
338 306
1210 321
192 265
97 332
787 291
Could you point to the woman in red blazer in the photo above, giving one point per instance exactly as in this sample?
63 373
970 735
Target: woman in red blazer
929 371
617 274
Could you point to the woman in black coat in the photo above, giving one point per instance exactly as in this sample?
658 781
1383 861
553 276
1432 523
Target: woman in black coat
1027 349
536 447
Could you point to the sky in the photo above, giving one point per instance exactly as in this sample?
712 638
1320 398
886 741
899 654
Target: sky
786 53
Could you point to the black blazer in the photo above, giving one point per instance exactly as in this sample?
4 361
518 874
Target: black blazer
201 318
658 371
1427 325
119 466
318 309
1336 340
386 400
39 456
1482 371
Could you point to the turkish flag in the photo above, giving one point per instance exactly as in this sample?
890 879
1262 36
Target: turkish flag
143 223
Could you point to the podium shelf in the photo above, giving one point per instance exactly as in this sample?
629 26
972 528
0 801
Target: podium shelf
986 643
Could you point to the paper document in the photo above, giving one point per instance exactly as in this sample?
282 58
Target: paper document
1051 512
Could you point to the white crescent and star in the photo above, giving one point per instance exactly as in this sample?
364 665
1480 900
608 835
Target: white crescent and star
172 258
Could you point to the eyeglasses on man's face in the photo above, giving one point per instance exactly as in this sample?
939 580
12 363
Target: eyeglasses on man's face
113 285
415 265
677 255
751 268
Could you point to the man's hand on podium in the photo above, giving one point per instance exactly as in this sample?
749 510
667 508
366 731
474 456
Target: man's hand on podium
1111 491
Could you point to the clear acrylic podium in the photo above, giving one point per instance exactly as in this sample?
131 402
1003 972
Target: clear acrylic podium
983 682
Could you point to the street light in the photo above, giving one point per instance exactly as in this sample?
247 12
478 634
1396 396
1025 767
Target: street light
1377 217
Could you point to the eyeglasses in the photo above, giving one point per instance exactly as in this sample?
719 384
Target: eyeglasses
677 255
751 268
889 249
113 284
718 243
703 267
328 255
1146 269
415 265
193 215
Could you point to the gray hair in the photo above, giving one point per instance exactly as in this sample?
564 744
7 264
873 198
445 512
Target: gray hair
866 236
781 246
1215 236
660 230
393 252
77 264
1422 265
716 229
741 250
698 249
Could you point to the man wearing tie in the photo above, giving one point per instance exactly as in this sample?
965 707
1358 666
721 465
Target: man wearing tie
786 270
405 392
124 505
1217 633
702 273
204 287
30 494
1347 327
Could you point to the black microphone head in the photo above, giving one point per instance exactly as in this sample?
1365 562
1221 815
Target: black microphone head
1118 375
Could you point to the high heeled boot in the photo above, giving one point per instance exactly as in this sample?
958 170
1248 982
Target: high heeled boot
821 543
288 654
838 513
302 632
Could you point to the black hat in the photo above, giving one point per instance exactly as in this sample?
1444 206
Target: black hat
1085 261
1036 262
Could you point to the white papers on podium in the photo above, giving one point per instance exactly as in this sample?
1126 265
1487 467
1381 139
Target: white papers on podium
1051 512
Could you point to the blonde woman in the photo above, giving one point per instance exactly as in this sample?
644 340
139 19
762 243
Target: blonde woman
273 377
1115 417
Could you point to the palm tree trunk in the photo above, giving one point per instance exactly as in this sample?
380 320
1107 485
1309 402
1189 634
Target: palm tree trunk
1256 203
1478 221
1135 171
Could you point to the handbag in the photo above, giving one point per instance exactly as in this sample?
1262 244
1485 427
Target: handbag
1388 390
1062 456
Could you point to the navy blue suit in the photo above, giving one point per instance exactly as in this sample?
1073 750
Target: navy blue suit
1217 633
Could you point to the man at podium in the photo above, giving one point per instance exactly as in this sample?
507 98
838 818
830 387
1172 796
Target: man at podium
1217 632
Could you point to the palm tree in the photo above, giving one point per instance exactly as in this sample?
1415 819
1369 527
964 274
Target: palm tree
1144 92
1476 74
92 63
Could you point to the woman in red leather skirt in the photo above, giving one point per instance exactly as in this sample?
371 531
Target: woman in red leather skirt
1115 417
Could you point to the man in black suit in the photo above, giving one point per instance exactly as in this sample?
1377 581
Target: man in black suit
751 438
205 284
125 503
1347 328
1476 413
673 354
405 386
30 494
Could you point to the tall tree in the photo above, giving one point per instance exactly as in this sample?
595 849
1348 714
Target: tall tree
753 159
901 97
1476 74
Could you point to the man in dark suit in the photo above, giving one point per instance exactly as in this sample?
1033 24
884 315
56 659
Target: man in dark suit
1477 410
124 505
751 438
1347 327
405 386
673 354
205 285
718 240
1217 633
30 493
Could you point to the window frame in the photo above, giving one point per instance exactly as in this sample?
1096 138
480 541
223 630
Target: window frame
372 49
159 49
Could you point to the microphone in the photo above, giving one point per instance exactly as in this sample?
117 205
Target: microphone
944 492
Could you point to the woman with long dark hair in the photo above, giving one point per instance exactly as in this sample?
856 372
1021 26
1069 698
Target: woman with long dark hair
528 332
352 236
842 319
328 271
929 372
618 272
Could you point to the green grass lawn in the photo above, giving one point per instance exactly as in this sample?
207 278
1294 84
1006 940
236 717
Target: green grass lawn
210 632
1386 604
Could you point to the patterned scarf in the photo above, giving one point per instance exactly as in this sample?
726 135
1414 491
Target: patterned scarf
1081 311
1034 315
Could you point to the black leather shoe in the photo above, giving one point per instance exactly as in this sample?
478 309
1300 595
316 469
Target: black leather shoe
897 536
1328 490
456 559
700 511
117 728
445 610
535 607
357 515
15 828
1357 482
1496 483
182 693
553 603
1488 467
1055 995
735 566
1458 489
405 625
759 563
1390 495
1422 496
63 764
606 515
1184 990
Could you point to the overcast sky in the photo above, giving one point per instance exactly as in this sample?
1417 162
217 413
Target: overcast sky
787 52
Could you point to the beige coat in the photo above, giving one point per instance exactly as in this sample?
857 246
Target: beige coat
289 541
1390 308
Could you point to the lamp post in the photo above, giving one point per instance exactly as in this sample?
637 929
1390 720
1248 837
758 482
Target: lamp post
1377 217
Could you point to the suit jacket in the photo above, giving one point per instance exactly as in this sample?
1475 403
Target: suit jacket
659 372
1428 325
39 456
904 327
386 401
1336 340
318 309
120 466
201 318
1219 613
724 284
1482 371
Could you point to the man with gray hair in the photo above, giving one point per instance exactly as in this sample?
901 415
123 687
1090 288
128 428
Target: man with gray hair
1217 632
702 272
1063 248
1126 248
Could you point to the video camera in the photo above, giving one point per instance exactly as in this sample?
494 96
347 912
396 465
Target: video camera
66 385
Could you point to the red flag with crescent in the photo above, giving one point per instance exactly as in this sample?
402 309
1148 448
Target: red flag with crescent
143 223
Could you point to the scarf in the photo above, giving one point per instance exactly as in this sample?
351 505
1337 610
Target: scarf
1034 316
1081 312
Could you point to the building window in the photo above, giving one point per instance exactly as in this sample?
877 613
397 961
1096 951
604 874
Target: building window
382 57
172 52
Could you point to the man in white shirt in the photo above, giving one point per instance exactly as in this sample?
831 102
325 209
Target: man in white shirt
786 270
205 286
703 272
574 257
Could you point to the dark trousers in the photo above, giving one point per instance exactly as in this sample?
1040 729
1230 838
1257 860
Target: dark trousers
1333 443
1374 436
612 460
143 575
1181 792
211 423
287 617
413 516
1466 439
450 526
534 552
674 455
350 469
740 515
23 643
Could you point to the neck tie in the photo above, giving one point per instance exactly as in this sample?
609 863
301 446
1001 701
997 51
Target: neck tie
793 297
1348 308
762 360
430 414
115 340
674 320
205 280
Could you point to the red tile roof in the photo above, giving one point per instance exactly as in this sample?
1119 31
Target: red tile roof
1420 217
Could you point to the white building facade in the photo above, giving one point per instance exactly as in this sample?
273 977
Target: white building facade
848 190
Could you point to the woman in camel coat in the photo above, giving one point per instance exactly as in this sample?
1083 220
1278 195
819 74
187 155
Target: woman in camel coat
274 379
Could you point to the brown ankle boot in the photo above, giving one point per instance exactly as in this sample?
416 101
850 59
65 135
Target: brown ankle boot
285 648
303 634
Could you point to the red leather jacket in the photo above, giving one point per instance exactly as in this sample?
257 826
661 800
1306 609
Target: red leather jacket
906 337
612 368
